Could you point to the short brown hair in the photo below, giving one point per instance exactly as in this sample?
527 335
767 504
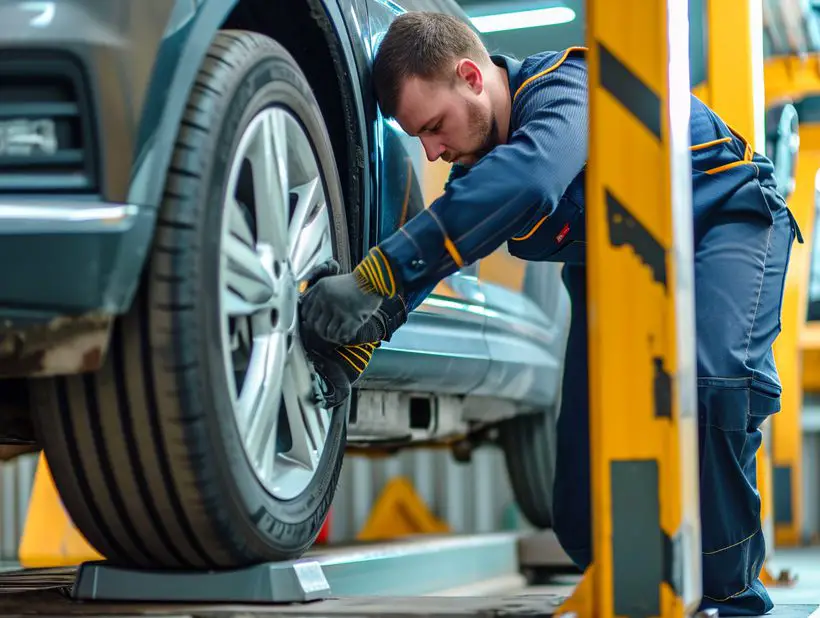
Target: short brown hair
421 44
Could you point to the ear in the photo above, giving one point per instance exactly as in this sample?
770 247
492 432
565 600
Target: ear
470 73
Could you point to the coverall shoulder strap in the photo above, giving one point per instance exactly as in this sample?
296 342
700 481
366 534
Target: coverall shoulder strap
571 51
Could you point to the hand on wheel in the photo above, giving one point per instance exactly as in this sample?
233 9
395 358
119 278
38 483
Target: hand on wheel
328 268
310 338
336 307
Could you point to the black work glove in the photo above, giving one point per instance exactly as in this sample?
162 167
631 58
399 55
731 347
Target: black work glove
340 367
334 375
328 268
386 320
331 380
336 307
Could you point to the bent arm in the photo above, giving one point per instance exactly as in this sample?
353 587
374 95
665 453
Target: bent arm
505 193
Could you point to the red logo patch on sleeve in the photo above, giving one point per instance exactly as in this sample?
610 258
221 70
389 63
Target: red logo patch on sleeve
562 234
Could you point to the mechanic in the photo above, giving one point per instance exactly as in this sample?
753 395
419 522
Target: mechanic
517 134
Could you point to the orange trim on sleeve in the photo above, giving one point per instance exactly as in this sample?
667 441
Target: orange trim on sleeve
563 58
451 249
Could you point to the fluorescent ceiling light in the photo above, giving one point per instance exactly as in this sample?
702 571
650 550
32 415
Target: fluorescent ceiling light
523 19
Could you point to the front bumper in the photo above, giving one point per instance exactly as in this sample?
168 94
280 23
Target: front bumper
70 267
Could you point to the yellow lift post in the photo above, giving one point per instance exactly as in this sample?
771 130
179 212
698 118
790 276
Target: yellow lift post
640 287
732 47
795 79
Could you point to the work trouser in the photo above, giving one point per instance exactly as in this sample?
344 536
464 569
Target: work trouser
740 267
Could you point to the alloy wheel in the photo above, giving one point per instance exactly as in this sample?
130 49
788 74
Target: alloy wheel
275 229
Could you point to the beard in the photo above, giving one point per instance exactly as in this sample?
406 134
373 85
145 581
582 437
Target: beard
483 131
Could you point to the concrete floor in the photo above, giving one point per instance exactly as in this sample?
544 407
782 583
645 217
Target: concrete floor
804 563
799 601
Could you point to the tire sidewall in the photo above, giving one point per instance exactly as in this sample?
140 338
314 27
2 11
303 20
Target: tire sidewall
529 443
273 79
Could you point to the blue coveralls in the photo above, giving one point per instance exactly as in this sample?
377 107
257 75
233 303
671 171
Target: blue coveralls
530 194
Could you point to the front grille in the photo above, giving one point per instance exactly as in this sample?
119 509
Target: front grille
46 137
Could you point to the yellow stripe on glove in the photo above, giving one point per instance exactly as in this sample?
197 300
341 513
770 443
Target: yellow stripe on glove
358 356
375 275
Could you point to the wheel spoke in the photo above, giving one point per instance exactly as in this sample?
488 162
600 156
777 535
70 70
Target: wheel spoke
269 158
309 196
237 223
261 398
248 285
307 429
300 371
313 245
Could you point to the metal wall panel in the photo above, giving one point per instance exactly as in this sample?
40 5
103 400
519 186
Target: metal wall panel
470 498
16 478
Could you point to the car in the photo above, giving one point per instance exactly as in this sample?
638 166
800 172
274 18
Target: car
170 172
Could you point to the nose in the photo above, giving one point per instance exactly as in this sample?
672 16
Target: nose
432 149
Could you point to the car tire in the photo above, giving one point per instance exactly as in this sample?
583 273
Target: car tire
529 446
147 453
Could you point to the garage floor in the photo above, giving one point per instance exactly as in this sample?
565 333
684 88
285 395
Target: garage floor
799 601
805 564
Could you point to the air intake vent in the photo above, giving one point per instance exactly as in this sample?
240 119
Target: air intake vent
46 143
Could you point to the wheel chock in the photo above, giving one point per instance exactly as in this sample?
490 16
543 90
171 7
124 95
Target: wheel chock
50 538
299 581
399 512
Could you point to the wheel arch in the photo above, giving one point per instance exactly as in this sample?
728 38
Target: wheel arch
315 34
180 56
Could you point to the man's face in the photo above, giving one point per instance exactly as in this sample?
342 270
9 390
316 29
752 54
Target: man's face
452 118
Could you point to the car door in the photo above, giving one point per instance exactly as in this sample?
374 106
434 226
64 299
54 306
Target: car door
450 322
